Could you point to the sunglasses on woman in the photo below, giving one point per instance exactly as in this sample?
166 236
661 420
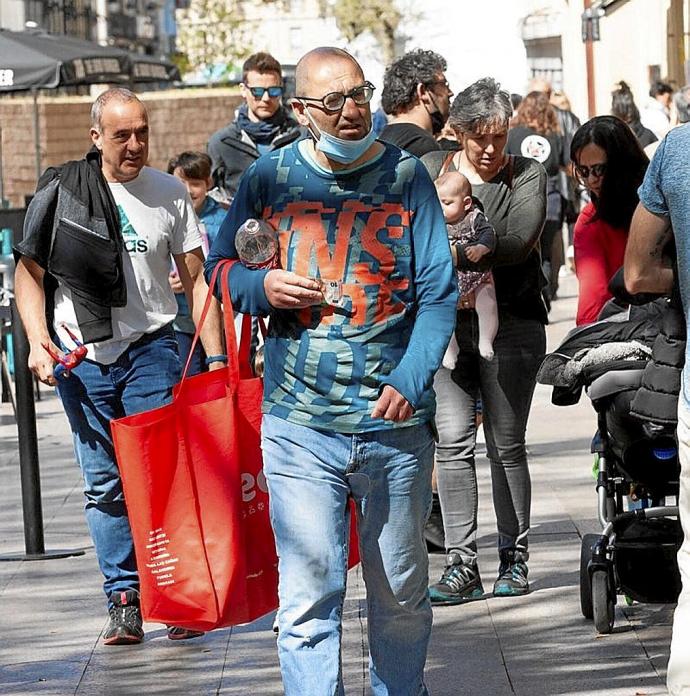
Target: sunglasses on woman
597 170
273 92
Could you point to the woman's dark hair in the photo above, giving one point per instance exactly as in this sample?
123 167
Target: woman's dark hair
626 164
480 106
536 112
623 104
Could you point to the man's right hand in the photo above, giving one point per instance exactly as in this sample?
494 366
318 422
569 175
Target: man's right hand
41 364
287 290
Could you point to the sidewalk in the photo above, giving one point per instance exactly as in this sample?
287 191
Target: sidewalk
53 611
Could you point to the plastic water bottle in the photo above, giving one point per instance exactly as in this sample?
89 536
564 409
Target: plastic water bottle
257 244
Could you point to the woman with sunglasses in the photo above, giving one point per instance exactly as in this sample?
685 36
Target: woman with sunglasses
609 162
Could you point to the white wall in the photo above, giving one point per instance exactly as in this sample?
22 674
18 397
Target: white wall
12 14
633 37
477 38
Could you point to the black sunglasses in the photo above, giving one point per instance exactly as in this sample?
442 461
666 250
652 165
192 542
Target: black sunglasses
273 92
335 101
597 170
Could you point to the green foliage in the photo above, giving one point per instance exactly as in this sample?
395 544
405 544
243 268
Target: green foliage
210 35
354 17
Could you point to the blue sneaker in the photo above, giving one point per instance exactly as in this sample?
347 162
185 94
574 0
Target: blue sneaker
460 582
512 574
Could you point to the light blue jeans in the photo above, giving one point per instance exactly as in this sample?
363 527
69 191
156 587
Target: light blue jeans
140 379
311 475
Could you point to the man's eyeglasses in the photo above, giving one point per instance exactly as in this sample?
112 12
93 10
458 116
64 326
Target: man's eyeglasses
335 101
273 92
597 170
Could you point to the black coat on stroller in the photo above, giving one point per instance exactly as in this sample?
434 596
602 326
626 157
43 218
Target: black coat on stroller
630 364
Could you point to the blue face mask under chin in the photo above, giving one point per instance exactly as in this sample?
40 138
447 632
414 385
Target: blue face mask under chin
338 149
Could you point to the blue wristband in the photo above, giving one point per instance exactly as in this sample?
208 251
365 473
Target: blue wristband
216 358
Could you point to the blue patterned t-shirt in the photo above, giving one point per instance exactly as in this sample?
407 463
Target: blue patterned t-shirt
378 232
666 191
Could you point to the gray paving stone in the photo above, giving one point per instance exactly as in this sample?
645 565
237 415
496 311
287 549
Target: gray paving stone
539 645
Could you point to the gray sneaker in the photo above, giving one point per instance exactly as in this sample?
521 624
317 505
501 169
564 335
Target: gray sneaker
460 582
125 627
512 574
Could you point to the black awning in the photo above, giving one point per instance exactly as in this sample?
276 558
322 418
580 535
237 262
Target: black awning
35 60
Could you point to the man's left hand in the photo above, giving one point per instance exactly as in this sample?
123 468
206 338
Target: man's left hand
175 282
392 406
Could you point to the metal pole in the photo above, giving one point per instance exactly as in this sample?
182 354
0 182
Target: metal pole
28 441
102 22
37 134
589 61
2 181
28 454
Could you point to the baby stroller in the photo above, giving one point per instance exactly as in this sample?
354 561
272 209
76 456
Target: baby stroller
635 553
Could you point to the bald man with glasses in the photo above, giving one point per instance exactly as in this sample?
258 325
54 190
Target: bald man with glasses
261 123
348 401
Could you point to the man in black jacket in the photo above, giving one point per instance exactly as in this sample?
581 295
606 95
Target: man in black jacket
98 242
416 96
261 124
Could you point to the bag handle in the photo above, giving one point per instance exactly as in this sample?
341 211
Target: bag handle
222 269
447 161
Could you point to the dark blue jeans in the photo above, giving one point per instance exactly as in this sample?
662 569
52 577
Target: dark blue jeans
142 378
198 361
505 385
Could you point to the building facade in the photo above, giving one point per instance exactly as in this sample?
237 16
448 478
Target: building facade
141 26
585 46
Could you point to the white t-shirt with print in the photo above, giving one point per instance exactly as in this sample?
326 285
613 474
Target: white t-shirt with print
157 220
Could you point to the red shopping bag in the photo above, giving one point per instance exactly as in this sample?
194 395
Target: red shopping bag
197 498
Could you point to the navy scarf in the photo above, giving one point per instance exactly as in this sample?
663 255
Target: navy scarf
261 132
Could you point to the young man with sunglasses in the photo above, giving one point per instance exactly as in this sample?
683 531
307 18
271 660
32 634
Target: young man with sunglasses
348 401
261 124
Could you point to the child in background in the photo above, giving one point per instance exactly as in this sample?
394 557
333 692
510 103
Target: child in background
469 228
194 169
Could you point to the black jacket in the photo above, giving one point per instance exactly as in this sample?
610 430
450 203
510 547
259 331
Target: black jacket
232 151
656 401
644 135
72 231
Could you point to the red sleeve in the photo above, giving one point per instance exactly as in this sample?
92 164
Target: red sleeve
591 268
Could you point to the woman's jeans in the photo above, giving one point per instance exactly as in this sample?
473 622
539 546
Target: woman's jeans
505 385
311 476
141 378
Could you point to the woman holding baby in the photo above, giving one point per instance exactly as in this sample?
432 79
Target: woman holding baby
511 190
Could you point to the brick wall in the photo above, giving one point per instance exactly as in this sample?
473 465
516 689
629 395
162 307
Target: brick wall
179 119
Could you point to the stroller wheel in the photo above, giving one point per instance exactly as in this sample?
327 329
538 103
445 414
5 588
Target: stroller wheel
588 541
603 602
